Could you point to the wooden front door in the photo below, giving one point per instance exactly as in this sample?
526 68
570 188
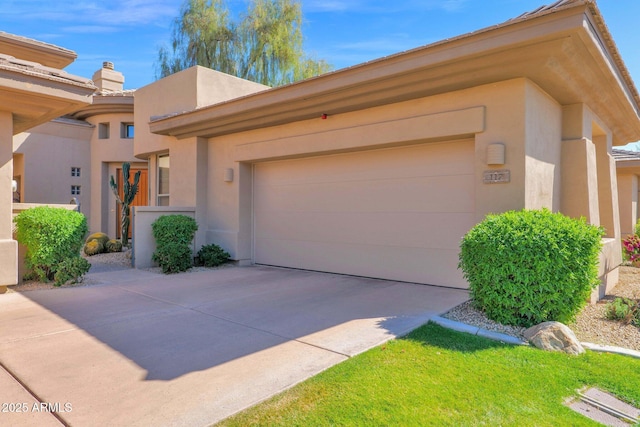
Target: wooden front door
141 198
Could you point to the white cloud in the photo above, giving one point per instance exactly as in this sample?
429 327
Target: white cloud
383 6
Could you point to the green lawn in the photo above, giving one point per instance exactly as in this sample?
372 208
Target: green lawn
435 376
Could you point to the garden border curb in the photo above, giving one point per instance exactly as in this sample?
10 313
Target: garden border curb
474 330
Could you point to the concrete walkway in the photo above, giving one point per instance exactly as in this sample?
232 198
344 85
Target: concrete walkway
190 349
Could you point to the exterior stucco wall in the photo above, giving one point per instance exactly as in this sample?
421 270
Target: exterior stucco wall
628 202
491 113
543 149
187 90
8 246
48 152
106 156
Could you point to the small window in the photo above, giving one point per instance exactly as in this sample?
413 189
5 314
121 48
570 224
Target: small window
75 171
163 180
126 131
103 131
75 190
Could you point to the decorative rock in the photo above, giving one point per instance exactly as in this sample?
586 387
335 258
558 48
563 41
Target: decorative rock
554 336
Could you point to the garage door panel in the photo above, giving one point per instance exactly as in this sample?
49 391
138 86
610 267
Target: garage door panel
419 265
437 230
397 213
431 194
444 160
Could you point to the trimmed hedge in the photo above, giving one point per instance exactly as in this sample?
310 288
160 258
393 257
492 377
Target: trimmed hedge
52 236
531 266
174 235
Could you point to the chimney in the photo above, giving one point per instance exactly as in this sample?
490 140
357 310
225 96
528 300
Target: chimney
107 79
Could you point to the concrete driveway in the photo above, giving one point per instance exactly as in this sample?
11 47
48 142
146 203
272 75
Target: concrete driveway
190 349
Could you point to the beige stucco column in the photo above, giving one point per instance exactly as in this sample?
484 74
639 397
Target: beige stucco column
607 187
628 202
580 180
189 172
8 246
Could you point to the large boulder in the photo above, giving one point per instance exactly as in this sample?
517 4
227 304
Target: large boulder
554 336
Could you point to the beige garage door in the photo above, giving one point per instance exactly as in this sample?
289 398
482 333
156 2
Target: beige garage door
396 213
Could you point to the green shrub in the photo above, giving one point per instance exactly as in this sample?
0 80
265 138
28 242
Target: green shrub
113 245
624 310
173 257
93 247
212 256
529 266
51 236
71 269
174 235
101 237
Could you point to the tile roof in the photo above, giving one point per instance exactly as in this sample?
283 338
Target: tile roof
625 155
37 43
10 63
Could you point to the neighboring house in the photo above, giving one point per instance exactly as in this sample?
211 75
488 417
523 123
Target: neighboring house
33 90
627 171
73 157
379 169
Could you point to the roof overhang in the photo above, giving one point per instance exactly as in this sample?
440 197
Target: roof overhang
34 96
566 50
106 104
32 50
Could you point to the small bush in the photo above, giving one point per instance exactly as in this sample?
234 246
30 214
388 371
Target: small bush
113 245
51 236
173 257
624 310
174 235
212 256
528 267
101 237
71 269
93 247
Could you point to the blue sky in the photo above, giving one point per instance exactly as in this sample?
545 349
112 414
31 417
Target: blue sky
343 32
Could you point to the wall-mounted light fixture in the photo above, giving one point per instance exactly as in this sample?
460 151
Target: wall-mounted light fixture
496 154
228 175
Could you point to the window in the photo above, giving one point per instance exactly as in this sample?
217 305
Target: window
163 180
75 190
126 130
103 130
75 171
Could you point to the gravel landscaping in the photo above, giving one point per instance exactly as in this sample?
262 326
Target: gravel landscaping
590 325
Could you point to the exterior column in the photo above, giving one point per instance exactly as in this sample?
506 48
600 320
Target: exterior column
8 246
628 203
189 172
607 188
580 180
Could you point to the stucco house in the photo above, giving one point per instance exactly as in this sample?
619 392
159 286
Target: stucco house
73 157
379 169
33 90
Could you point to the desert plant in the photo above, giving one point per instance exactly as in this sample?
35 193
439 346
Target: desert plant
212 256
129 191
173 235
113 245
51 236
71 269
624 310
531 266
101 237
93 247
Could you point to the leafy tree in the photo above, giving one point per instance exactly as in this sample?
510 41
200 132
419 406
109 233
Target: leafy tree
264 46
